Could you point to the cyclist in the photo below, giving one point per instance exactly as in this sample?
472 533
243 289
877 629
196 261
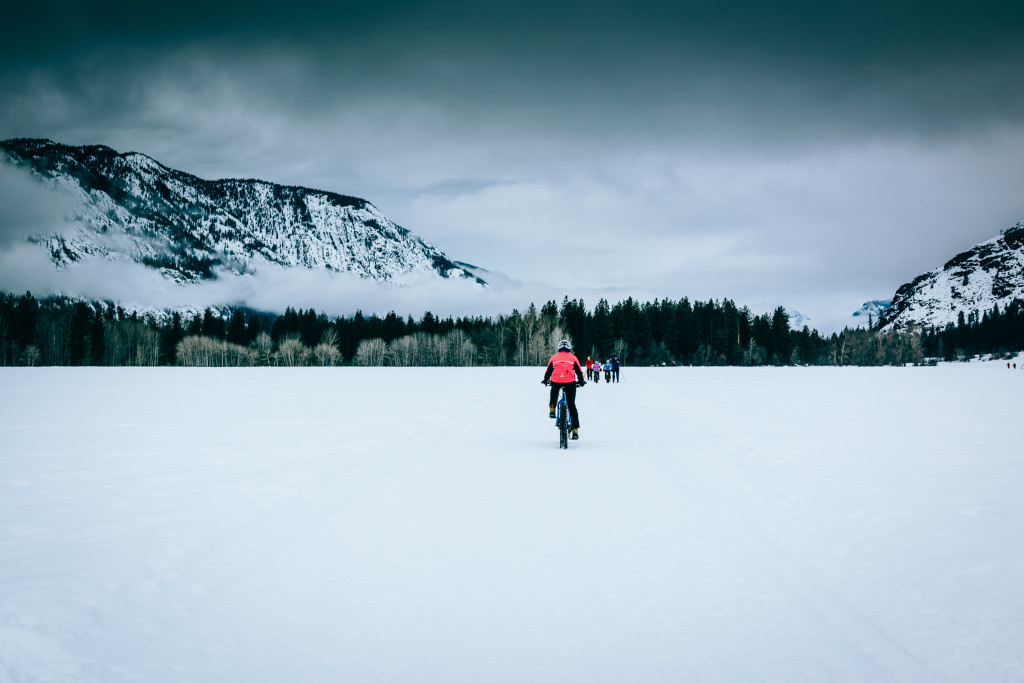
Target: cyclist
564 372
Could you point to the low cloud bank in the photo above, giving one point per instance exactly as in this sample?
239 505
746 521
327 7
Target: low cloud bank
28 207
26 267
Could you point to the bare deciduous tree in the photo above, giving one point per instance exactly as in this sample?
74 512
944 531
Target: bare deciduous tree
326 354
459 349
370 352
30 355
207 352
292 352
263 346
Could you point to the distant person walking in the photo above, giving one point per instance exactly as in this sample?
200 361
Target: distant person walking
590 368
615 369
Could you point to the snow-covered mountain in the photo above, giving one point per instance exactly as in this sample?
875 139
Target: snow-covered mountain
797 320
870 312
989 274
131 207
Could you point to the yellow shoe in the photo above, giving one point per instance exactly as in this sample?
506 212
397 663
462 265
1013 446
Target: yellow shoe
551 411
575 434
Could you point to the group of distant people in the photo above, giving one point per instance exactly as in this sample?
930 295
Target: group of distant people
609 367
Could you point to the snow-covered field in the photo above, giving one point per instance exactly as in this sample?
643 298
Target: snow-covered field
348 524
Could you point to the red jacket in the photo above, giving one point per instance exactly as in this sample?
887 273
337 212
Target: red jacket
563 368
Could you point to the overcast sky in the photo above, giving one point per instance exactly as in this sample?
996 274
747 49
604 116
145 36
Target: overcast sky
807 154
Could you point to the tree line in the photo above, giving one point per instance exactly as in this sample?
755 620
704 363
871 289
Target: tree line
995 331
62 331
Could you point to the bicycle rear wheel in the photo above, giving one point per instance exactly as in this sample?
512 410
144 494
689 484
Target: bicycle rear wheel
563 422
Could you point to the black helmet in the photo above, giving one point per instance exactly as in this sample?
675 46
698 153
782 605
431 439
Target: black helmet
564 345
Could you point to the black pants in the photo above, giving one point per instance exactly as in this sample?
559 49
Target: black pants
570 397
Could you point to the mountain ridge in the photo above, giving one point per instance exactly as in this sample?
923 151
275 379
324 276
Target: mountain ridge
975 280
130 206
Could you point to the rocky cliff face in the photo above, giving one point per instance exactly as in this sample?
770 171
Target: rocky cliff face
989 274
129 206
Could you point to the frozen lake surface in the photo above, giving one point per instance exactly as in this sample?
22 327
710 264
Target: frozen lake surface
351 524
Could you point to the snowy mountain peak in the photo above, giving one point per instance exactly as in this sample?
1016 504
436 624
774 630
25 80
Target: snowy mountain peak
131 207
870 312
797 320
987 275
142 163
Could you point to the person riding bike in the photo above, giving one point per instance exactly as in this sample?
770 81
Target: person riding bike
564 372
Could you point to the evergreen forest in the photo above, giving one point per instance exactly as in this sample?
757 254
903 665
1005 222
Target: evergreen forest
58 331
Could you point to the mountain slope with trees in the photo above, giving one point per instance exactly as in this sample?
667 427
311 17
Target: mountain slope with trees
131 207
975 281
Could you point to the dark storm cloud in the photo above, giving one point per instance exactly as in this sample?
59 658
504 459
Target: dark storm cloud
715 148
602 52
842 28
710 73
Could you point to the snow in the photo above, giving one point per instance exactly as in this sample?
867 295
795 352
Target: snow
253 224
989 274
367 524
